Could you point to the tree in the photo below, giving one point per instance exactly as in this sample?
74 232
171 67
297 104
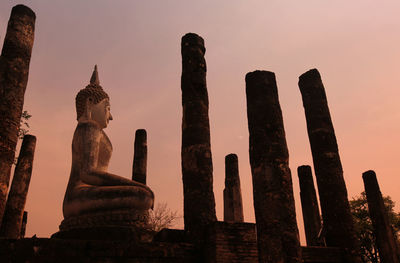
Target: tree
364 228
23 129
162 217
23 124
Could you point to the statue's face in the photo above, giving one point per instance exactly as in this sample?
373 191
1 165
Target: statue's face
101 114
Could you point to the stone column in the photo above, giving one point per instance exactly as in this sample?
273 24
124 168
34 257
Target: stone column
14 68
23 225
277 233
309 205
338 222
140 157
197 168
13 214
386 241
233 207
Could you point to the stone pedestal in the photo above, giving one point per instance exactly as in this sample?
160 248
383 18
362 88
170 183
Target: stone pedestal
277 233
109 225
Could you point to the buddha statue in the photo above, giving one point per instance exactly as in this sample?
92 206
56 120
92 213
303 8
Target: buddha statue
95 197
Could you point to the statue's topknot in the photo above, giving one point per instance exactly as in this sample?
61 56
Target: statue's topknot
93 90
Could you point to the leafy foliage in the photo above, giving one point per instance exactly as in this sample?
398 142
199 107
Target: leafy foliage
162 217
364 228
24 125
22 130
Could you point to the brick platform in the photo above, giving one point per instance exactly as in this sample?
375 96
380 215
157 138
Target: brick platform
226 242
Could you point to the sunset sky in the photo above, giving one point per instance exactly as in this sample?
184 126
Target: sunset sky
136 44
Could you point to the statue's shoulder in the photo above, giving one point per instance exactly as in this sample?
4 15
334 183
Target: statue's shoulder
86 128
88 125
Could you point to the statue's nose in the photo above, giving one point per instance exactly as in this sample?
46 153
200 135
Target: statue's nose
111 118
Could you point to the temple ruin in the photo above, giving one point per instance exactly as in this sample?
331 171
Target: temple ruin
139 166
12 223
233 206
14 70
196 159
385 238
277 233
338 223
106 215
309 206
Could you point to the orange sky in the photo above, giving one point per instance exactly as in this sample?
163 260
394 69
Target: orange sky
136 44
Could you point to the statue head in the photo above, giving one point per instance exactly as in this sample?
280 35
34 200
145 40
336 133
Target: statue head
92 103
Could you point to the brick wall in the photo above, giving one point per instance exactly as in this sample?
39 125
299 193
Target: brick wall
225 242
231 242
46 250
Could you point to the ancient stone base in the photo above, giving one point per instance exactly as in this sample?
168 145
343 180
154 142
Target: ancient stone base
131 234
50 250
231 242
113 218
110 225
172 235
227 242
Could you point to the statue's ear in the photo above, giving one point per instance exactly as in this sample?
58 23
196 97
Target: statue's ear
89 101
88 108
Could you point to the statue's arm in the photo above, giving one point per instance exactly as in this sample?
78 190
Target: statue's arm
87 142
108 179
90 136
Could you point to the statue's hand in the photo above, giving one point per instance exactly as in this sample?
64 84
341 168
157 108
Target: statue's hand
100 178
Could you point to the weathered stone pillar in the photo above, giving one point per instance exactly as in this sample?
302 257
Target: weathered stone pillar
197 168
233 206
338 222
14 68
13 214
277 233
23 225
309 205
385 239
140 157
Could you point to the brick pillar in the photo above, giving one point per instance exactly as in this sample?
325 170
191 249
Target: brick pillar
233 206
197 169
14 68
338 222
309 205
140 157
277 233
385 239
13 214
